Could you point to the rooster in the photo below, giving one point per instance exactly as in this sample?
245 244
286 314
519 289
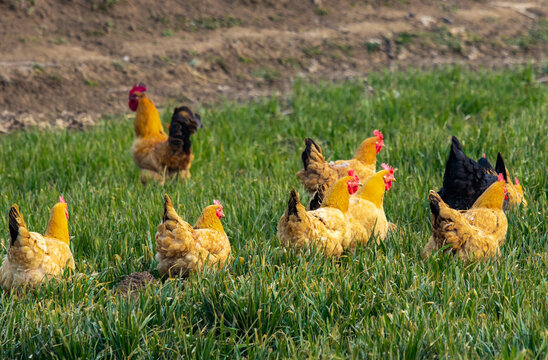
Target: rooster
158 155
470 234
329 228
318 171
32 257
181 248
465 180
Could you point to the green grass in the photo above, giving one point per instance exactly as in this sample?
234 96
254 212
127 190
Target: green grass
377 302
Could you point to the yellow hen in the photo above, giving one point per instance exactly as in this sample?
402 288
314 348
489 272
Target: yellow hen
366 206
181 248
33 257
470 234
330 228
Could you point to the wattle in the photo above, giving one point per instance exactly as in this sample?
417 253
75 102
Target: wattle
133 104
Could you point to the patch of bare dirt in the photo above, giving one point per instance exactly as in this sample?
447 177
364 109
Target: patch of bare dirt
67 62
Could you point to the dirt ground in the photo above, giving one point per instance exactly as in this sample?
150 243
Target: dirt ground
66 63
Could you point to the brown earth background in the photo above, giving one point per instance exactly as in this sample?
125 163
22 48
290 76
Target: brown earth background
66 63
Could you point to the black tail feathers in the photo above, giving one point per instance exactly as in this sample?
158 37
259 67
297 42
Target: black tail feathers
292 203
15 220
184 123
434 204
305 156
317 198
500 168
455 145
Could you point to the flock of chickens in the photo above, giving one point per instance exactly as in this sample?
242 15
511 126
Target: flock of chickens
346 208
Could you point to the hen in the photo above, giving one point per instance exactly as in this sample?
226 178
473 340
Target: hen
515 191
159 155
366 206
317 171
32 257
330 228
465 180
470 234
181 248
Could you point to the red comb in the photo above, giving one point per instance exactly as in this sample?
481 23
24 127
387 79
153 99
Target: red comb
483 155
389 178
500 177
61 200
352 173
516 181
217 202
387 167
378 134
140 88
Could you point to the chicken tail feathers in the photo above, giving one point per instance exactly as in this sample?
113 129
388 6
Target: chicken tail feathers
15 222
168 205
292 204
317 198
310 147
435 200
456 146
184 123
500 168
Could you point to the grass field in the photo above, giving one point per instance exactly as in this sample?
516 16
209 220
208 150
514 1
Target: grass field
377 302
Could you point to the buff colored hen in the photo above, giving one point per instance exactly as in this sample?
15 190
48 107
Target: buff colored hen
469 234
366 206
181 248
32 257
330 228
318 171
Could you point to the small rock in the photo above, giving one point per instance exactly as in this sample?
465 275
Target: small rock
314 66
457 31
403 54
473 54
194 62
133 283
427 20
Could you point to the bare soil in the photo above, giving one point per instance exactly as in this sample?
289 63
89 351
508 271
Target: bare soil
68 62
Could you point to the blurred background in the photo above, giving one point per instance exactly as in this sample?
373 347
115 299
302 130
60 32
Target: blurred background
67 63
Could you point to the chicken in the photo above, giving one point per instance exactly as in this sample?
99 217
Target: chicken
32 257
366 206
470 234
515 191
158 155
181 248
330 228
465 180
318 171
